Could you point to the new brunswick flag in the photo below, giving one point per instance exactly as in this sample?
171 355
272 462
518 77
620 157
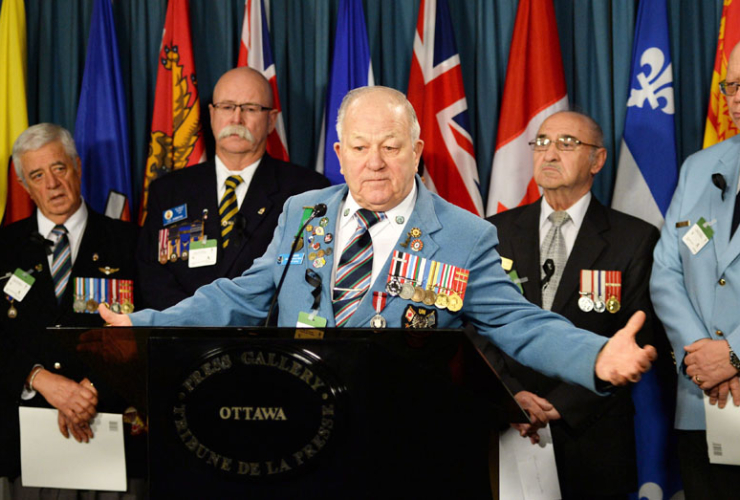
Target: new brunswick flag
177 138
719 124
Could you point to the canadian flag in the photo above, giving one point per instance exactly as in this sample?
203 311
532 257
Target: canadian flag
534 89
255 52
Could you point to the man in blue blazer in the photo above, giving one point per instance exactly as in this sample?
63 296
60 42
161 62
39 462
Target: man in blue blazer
422 246
695 288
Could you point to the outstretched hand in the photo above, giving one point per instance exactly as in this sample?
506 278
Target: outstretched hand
622 360
113 319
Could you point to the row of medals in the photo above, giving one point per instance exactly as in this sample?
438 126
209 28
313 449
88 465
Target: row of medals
444 299
587 304
80 305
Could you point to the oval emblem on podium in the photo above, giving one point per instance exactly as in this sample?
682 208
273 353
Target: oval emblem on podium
257 411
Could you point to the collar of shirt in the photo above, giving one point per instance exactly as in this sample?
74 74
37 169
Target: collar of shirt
385 234
75 225
223 173
570 229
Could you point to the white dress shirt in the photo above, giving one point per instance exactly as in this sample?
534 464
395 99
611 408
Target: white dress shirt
384 233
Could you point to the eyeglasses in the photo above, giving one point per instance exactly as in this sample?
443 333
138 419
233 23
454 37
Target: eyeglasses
563 143
248 108
728 88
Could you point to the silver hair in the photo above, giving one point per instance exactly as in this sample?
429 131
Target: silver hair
393 95
38 136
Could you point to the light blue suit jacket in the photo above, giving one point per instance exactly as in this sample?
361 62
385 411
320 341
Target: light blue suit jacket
534 337
685 288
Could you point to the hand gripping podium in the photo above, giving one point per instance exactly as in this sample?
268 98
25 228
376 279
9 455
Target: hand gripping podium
287 413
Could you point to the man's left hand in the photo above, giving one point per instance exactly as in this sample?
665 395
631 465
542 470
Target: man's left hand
708 363
622 360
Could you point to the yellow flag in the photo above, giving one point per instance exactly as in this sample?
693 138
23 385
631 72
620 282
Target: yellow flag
13 113
719 124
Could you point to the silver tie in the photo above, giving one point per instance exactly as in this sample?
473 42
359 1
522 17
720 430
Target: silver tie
553 248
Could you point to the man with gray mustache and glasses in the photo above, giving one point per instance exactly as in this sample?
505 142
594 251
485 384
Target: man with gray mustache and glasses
212 220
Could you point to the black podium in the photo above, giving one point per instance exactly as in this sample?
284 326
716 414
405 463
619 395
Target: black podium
286 413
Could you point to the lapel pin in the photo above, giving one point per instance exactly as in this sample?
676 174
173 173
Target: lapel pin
95 257
261 211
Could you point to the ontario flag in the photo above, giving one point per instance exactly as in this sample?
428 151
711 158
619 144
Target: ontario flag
101 130
436 91
534 89
176 139
719 124
255 52
15 204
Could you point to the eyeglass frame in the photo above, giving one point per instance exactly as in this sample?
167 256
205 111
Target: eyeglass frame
258 108
723 85
558 141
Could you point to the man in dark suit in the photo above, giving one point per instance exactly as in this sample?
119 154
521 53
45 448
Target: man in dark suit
593 436
63 240
239 213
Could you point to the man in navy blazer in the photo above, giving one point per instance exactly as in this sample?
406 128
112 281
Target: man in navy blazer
421 242
695 287
241 118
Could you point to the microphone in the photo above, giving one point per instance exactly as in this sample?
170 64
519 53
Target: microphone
319 210
549 268
719 181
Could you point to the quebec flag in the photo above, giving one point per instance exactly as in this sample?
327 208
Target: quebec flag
648 170
350 68
646 178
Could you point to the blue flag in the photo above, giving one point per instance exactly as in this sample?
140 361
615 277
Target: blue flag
351 68
646 178
648 168
101 130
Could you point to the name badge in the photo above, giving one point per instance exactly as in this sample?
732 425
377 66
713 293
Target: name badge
282 259
698 236
306 320
19 284
203 253
172 215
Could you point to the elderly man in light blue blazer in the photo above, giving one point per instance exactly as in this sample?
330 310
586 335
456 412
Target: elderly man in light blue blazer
379 152
695 288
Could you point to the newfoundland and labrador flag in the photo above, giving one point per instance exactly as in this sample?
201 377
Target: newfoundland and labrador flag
646 178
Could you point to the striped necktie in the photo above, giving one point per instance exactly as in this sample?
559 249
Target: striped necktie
554 248
228 208
61 264
355 267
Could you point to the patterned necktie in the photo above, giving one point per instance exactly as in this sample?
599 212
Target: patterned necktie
355 267
553 248
228 208
61 264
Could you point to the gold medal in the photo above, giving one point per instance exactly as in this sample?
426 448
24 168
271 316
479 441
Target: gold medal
442 300
92 305
613 305
415 232
429 297
163 259
454 302
419 294
12 312
173 257
127 308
